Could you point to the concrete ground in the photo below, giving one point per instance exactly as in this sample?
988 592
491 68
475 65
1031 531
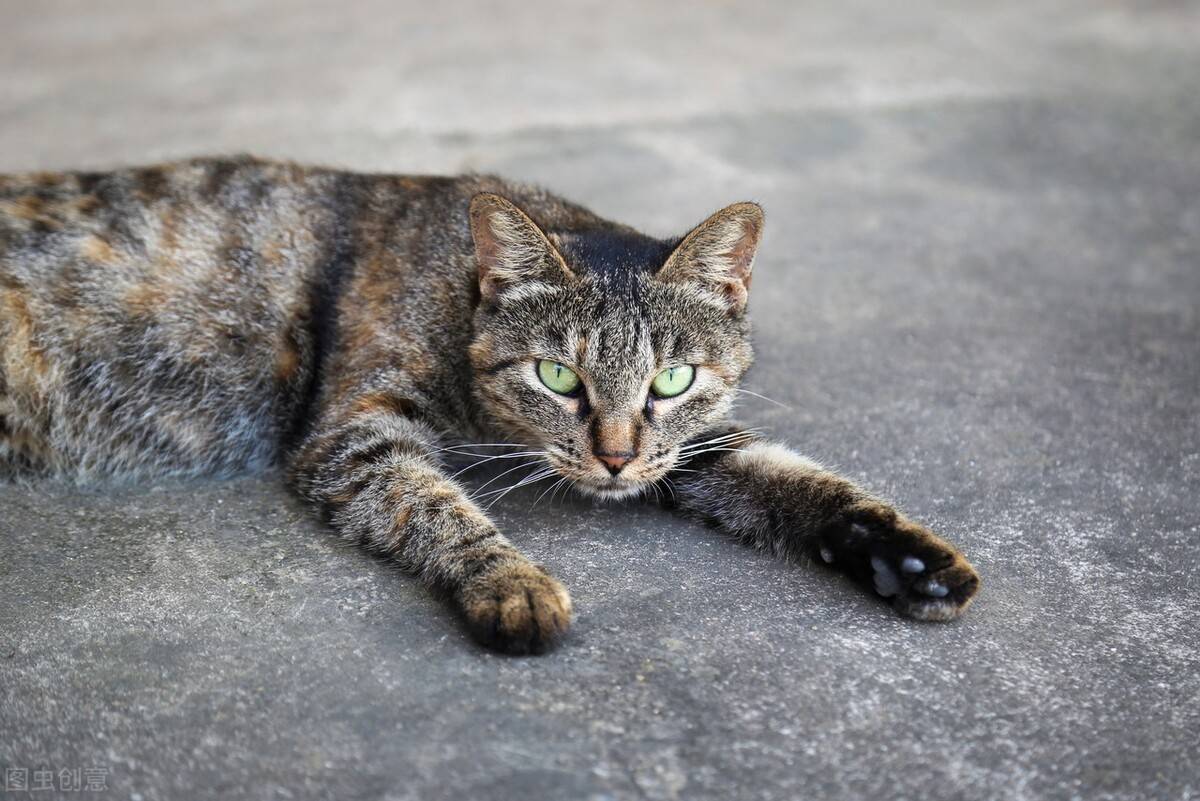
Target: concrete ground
978 293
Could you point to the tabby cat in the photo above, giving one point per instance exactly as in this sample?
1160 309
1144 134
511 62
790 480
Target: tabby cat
222 315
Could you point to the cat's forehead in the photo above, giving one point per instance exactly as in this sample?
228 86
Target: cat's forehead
616 337
637 326
614 257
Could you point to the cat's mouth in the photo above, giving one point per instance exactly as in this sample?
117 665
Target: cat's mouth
596 483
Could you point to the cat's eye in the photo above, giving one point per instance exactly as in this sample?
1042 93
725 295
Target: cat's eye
558 377
673 381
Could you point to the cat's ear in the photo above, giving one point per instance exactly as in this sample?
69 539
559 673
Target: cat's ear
510 248
718 255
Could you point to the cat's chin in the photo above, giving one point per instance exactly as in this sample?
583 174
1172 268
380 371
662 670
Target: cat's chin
611 492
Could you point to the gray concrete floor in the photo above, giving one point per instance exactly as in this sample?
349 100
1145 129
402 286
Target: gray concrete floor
978 294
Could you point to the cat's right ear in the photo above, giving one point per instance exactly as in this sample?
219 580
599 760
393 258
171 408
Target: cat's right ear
511 249
717 256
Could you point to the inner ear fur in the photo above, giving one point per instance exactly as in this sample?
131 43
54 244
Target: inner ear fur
718 255
510 248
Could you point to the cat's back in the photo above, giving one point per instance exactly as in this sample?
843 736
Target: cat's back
174 318
180 227
140 239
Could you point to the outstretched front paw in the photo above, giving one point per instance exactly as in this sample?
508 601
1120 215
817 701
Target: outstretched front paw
516 607
920 574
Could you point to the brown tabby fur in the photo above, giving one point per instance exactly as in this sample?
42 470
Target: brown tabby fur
221 315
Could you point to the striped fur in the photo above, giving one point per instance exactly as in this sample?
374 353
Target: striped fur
222 315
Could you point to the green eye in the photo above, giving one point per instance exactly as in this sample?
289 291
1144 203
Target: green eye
558 377
673 381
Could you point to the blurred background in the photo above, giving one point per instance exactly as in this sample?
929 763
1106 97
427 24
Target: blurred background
977 294
592 98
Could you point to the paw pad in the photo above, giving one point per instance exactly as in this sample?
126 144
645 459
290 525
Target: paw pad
919 574
935 588
887 583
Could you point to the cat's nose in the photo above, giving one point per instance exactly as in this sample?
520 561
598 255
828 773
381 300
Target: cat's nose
616 461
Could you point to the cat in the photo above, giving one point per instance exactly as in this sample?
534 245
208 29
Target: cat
217 316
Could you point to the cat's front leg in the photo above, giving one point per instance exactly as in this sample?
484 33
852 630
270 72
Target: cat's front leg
373 475
773 498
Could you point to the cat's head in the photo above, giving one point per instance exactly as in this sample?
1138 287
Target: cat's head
605 349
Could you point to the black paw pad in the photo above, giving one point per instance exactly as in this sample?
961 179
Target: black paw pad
891 580
902 562
935 589
887 582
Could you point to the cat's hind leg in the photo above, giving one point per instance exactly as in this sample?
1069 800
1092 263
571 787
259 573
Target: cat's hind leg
26 381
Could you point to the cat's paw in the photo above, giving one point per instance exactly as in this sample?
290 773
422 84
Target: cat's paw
921 575
517 608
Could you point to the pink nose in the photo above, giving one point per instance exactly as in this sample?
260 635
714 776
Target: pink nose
615 461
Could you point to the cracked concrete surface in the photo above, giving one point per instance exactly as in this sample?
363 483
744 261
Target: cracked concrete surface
978 294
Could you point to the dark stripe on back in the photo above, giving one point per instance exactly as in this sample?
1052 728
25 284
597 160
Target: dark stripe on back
344 203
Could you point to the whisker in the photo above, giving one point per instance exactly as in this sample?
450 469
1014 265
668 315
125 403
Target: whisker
764 397
538 476
494 479
533 480
460 446
487 459
724 438
551 488
530 479
727 438
689 457
731 435
489 445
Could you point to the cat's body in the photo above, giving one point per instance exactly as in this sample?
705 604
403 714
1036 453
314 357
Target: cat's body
219 315
180 319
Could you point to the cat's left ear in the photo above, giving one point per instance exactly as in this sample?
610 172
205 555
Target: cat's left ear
718 255
510 248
